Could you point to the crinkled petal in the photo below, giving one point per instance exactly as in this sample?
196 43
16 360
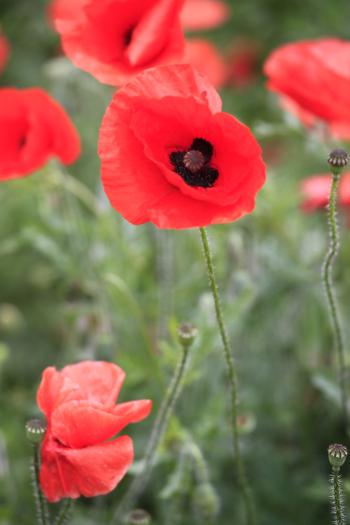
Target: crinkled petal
78 424
90 471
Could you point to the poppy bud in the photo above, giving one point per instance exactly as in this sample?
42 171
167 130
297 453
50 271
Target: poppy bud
337 455
139 517
35 431
338 159
206 501
187 334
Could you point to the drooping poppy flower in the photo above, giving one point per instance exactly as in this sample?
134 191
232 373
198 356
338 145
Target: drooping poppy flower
33 128
115 39
78 455
315 191
4 51
315 75
197 15
242 62
170 155
204 57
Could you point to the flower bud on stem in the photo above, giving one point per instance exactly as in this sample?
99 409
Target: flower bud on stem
337 456
35 431
186 335
337 160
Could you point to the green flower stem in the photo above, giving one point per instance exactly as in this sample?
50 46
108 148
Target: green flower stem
337 498
64 514
139 483
327 277
40 502
232 376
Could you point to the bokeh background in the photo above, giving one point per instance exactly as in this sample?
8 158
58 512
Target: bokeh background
78 282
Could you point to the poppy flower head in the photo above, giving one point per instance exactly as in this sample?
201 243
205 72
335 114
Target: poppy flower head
80 454
171 157
4 51
33 128
315 75
115 39
204 57
198 15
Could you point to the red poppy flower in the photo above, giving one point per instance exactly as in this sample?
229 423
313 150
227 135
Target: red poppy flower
315 75
204 14
204 57
33 128
4 51
315 191
242 63
78 455
115 39
171 157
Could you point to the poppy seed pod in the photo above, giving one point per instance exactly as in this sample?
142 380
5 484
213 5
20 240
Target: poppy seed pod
187 334
35 431
338 159
337 455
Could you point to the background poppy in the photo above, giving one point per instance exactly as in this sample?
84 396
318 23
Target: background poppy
315 74
33 128
115 39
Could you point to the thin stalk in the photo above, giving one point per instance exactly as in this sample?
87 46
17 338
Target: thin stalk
64 513
337 498
159 427
40 502
232 376
327 277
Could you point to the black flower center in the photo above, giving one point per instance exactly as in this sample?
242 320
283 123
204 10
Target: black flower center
128 36
193 165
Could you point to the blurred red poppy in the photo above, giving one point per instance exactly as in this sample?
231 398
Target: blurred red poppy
315 191
171 157
204 14
115 39
4 51
33 128
315 75
204 57
79 456
242 62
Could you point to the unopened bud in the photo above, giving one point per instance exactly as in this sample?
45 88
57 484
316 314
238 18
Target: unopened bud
206 501
338 159
35 431
337 455
187 334
139 517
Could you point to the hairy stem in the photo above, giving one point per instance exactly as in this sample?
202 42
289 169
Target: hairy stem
337 498
40 502
327 277
232 376
139 483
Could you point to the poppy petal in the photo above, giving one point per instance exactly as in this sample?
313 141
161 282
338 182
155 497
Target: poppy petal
79 424
90 471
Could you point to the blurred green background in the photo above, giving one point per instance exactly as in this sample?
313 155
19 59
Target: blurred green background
77 282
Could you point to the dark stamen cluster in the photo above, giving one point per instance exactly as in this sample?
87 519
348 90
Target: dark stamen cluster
193 165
